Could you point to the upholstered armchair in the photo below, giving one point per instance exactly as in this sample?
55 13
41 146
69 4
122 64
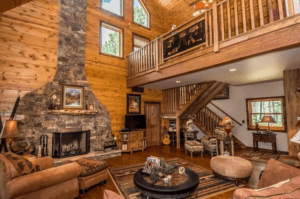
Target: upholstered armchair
220 132
48 183
209 144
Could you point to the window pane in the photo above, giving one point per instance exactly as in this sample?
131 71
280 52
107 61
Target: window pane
110 41
140 16
258 118
114 6
135 48
266 107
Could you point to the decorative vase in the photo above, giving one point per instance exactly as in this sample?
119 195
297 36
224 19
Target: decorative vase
257 127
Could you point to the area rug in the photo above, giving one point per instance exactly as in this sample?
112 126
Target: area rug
208 187
259 156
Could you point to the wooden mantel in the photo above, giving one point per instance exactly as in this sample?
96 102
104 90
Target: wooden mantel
72 112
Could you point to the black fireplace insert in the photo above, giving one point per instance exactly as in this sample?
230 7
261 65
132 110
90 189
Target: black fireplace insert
70 144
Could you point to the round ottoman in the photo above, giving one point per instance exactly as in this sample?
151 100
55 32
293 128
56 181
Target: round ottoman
231 168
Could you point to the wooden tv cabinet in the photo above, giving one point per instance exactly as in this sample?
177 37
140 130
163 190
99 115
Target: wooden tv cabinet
134 140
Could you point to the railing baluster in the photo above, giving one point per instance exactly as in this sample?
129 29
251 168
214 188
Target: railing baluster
206 28
291 7
261 13
280 7
229 19
222 22
236 16
244 16
270 8
252 14
216 27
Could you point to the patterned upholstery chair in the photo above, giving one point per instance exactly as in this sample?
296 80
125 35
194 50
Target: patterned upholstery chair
220 132
210 144
193 147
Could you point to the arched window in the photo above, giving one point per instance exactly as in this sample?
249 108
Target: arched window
141 15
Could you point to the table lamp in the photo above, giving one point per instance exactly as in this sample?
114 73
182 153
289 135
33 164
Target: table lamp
296 138
268 119
10 131
228 123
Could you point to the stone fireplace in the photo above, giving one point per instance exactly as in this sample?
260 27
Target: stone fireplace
33 115
70 144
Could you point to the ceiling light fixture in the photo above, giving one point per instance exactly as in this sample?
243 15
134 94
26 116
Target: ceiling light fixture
177 82
232 70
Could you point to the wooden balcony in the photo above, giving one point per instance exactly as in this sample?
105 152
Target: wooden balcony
254 28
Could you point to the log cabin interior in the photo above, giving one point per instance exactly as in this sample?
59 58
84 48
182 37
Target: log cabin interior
149 99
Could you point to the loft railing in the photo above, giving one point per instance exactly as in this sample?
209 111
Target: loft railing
245 16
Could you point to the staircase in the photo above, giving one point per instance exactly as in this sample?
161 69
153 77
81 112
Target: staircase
192 99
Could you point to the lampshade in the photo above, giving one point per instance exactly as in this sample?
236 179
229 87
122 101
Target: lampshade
296 138
226 121
268 119
10 129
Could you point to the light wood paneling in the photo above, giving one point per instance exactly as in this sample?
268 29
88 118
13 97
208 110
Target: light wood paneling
107 75
28 45
291 80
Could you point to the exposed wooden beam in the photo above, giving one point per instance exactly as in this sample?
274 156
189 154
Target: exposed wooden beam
205 99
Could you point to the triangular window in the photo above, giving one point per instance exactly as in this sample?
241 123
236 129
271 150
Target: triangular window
141 15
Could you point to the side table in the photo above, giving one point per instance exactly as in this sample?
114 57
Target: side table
264 137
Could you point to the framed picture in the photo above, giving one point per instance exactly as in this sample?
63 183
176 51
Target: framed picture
124 147
72 97
224 94
133 104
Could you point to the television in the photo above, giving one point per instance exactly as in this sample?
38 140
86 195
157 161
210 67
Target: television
134 122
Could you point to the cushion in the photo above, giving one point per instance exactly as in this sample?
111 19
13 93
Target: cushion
275 172
89 167
231 166
284 190
22 165
193 145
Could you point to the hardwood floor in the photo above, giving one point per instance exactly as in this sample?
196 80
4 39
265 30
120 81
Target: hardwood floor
97 191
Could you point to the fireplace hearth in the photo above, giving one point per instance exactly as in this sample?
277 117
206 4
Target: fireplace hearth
70 144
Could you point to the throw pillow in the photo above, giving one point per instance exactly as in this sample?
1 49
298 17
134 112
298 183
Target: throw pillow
275 172
22 165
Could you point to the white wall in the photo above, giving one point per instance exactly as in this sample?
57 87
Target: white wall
235 106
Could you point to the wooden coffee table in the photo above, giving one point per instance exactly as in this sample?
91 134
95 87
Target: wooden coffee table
181 186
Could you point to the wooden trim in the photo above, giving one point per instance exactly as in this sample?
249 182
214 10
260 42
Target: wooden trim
261 13
147 11
135 34
228 18
284 118
280 8
226 113
270 8
216 27
111 13
121 40
244 16
291 8
222 22
252 14
206 28
236 18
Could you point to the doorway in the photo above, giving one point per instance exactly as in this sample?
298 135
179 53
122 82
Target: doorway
152 112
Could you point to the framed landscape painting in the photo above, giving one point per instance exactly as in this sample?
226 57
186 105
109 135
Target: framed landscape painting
72 97
133 104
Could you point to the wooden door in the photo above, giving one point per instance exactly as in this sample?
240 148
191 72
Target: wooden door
152 111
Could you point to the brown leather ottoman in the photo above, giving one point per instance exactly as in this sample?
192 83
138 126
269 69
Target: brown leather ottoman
92 172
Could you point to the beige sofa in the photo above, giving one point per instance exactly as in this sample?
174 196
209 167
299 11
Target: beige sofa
278 181
50 183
